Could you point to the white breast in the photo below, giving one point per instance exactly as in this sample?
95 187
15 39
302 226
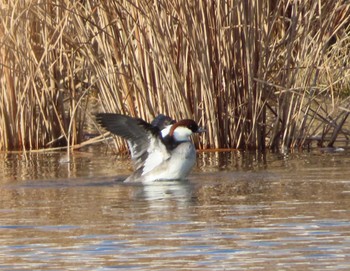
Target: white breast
178 166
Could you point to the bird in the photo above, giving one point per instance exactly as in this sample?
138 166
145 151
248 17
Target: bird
160 150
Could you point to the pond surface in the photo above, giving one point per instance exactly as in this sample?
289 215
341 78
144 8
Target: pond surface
237 211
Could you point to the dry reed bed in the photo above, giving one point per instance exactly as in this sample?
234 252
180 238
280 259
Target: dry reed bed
256 73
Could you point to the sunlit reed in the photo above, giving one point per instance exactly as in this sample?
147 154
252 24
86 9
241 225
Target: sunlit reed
255 73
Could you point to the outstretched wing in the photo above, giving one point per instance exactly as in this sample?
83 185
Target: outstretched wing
144 140
162 121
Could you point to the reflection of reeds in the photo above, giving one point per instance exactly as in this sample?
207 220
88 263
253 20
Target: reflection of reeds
255 73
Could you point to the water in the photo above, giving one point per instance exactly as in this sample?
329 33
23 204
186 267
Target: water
237 211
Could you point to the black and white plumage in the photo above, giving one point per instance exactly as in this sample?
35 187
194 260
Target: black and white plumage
161 150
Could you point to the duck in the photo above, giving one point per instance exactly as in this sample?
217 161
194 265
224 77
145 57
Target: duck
160 150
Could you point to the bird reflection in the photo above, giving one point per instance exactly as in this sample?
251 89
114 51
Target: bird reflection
162 194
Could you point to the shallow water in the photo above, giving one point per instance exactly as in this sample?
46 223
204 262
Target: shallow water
237 211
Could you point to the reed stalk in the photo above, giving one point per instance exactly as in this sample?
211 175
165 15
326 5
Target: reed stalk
256 73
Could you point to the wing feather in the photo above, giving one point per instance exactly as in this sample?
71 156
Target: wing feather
144 139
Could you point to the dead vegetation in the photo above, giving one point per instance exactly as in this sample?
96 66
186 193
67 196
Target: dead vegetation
256 73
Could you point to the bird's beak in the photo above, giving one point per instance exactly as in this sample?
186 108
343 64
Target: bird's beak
201 130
